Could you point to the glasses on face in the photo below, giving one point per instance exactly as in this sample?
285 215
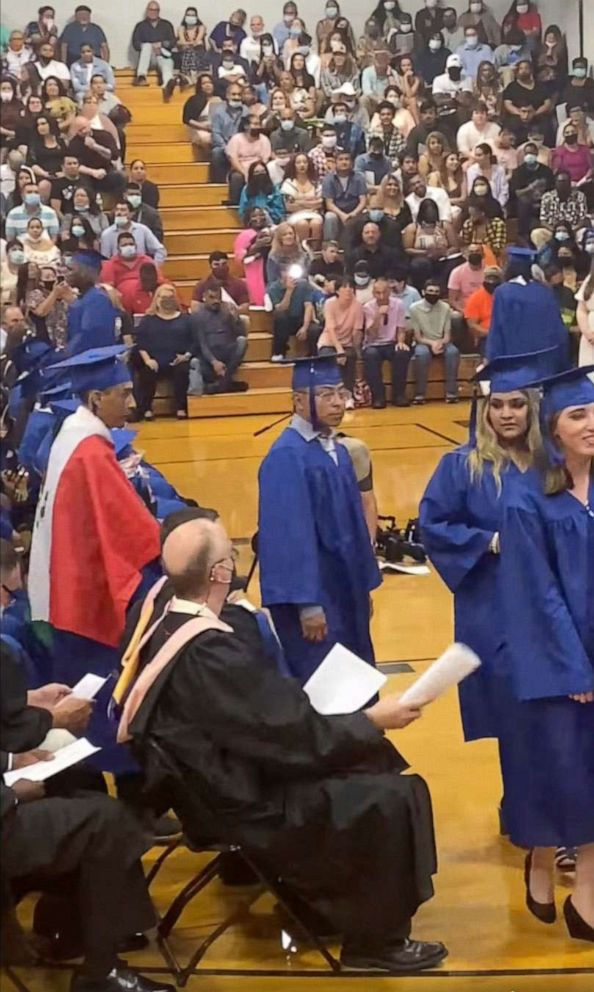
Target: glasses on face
326 394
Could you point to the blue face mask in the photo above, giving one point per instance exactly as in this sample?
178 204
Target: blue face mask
287 125
32 199
376 215
579 72
561 236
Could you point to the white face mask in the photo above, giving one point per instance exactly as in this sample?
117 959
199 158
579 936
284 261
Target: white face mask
431 4
434 45
476 8
6 96
405 28
329 141
522 8
472 40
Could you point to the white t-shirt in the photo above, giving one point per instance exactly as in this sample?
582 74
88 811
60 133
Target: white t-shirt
469 137
438 195
450 87
53 68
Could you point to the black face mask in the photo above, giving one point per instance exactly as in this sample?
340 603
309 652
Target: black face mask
48 283
571 139
563 189
432 298
475 258
455 74
259 182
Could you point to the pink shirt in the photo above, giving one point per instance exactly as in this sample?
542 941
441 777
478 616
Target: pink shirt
386 333
254 270
466 280
247 151
577 163
344 321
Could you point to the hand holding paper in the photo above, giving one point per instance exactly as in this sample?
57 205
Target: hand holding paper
343 683
454 665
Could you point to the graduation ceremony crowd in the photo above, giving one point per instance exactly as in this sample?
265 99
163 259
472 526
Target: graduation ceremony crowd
422 192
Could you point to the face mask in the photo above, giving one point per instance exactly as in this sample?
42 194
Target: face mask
522 8
571 139
432 298
472 40
389 5
490 286
376 215
565 260
234 104
267 49
168 304
394 101
5 96
340 118
455 74
476 8
289 18
329 141
481 190
77 231
135 200
405 28
561 236
434 45
295 32
530 158
332 12
128 251
259 178
255 132
475 258
16 256
287 125
361 280
191 21
121 221
49 23
228 62
48 284
579 73
32 199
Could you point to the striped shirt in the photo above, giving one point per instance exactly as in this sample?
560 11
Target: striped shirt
18 218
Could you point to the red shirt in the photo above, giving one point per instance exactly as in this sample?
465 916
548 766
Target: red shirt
236 288
126 279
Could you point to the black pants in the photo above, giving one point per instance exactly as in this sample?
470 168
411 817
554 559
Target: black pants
95 845
236 182
373 360
285 326
146 383
349 369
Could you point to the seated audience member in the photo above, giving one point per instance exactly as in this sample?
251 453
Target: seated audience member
385 341
374 164
85 207
429 244
251 248
198 111
150 191
350 135
219 341
154 40
431 321
87 66
48 305
288 135
323 155
527 185
431 160
248 147
574 158
108 103
9 171
564 295
409 82
76 232
472 52
290 298
345 195
401 39
404 292
234 291
191 45
402 117
278 165
394 210
484 225
342 332
341 69
226 120
452 179
583 123
249 48
122 270
478 308
505 151
328 264
562 203
376 76
164 343
431 59
62 190
526 103
272 822
393 141
419 191
453 84
488 90
18 218
229 30
45 153
100 123
485 166
46 64
303 200
98 155
12 109
512 50
142 213
17 54
463 281
38 245
378 259
13 259
479 130
259 191
579 88
285 250
146 242
82 31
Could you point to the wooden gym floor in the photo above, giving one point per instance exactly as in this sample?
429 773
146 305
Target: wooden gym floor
478 910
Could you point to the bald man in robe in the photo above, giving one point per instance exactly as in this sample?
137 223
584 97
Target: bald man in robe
320 801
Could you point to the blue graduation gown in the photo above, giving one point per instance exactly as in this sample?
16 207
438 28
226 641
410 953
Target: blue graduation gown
547 595
314 549
526 318
91 322
458 517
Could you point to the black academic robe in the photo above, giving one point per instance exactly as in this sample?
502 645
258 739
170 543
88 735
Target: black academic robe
320 800
22 727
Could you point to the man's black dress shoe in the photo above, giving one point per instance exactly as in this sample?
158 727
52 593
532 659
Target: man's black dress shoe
119 980
405 957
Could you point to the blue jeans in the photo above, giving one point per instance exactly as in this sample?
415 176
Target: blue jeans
423 356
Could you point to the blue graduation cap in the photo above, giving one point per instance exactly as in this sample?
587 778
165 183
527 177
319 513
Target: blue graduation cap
521 254
319 371
510 372
574 387
520 261
98 368
122 437
60 392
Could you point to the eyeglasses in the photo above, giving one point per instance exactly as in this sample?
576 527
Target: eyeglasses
326 394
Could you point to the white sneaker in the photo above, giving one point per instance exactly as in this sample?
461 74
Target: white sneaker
277 358
350 404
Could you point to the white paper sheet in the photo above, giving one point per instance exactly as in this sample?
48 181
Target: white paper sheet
343 683
89 686
453 666
64 758
409 569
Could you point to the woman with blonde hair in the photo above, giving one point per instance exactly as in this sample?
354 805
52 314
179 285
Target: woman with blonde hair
164 345
285 250
395 211
461 516
433 158
452 178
